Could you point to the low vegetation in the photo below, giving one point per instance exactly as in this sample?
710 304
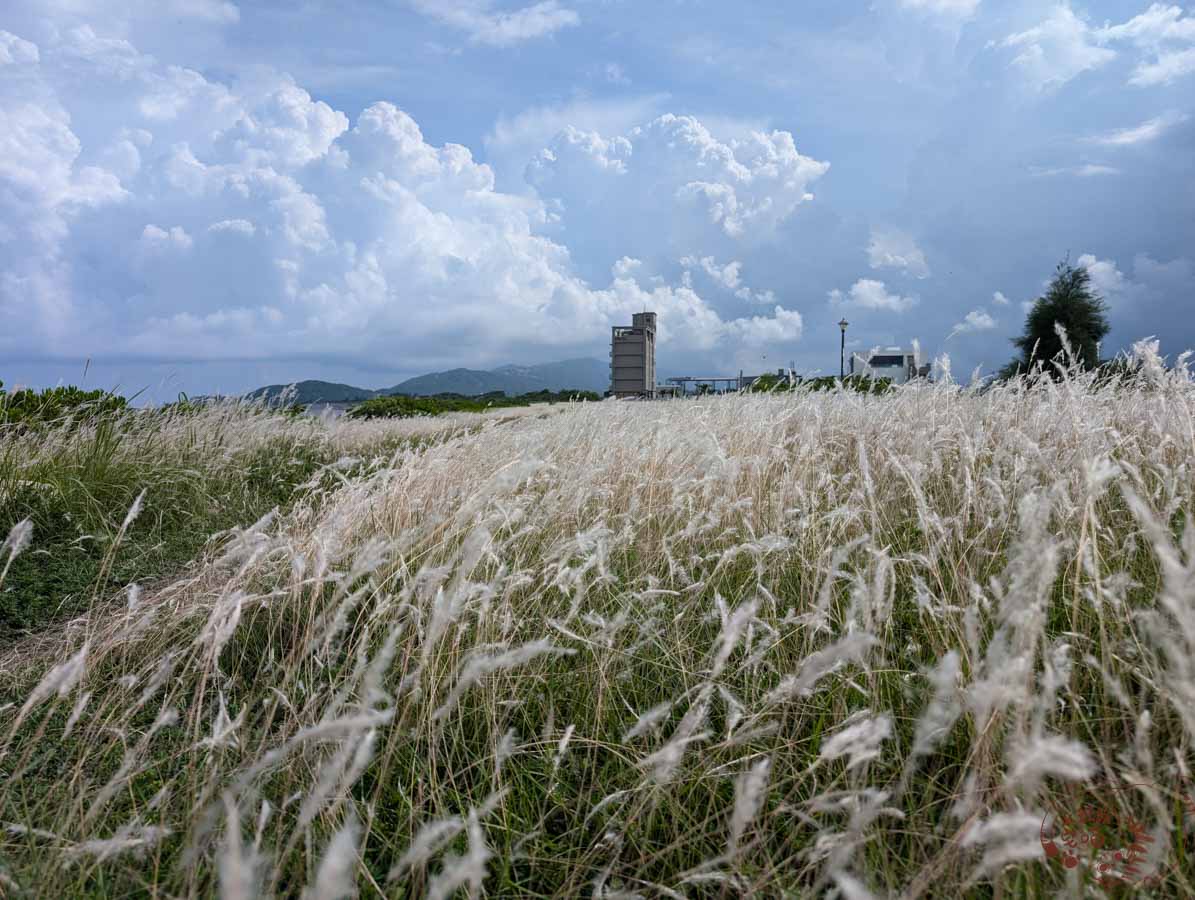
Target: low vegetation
29 408
755 645
401 406
72 463
771 384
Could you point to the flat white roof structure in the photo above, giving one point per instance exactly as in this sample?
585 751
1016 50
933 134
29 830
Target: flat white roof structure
895 363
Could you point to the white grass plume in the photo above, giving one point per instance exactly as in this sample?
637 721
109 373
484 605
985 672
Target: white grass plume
663 763
750 791
944 705
336 877
463 871
561 747
434 836
224 728
76 714
338 773
133 513
239 867
733 626
852 648
860 740
1048 756
60 680
133 838
507 745
481 666
851 888
648 721
429 840
1005 838
18 538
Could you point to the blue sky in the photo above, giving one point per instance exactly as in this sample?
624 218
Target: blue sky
206 195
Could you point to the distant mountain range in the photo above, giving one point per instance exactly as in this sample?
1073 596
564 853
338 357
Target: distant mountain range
580 374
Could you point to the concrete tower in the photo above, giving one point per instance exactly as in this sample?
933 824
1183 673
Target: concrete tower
633 357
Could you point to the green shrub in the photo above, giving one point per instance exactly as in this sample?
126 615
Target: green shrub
29 408
184 405
401 406
861 383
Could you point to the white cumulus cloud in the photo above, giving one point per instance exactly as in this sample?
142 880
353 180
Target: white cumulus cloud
514 140
44 190
975 320
890 248
246 219
727 276
1058 49
1106 278
870 294
1065 45
1141 294
234 226
499 28
155 238
1166 68
784 326
672 174
1156 26
1166 37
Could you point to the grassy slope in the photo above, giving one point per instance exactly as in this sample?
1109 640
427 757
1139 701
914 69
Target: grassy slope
479 624
78 498
202 473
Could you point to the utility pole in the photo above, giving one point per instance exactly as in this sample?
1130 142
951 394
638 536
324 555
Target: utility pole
842 351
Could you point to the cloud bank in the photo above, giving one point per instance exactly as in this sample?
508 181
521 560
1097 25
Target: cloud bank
151 211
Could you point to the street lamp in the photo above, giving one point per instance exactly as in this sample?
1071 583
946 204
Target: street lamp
842 351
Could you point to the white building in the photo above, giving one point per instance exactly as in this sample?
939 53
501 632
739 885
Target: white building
896 363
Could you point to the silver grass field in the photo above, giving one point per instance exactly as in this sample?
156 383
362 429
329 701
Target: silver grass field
812 644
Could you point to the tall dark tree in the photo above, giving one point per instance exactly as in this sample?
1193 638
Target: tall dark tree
1071 302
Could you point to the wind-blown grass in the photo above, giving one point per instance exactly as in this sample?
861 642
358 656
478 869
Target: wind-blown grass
770 645
202 469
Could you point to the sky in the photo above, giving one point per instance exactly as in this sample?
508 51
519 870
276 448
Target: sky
206 196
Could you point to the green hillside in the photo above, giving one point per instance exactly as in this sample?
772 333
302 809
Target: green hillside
306 392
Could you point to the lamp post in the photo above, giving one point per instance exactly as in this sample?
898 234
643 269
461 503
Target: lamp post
842 351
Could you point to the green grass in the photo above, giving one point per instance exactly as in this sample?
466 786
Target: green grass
73 463
77 501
